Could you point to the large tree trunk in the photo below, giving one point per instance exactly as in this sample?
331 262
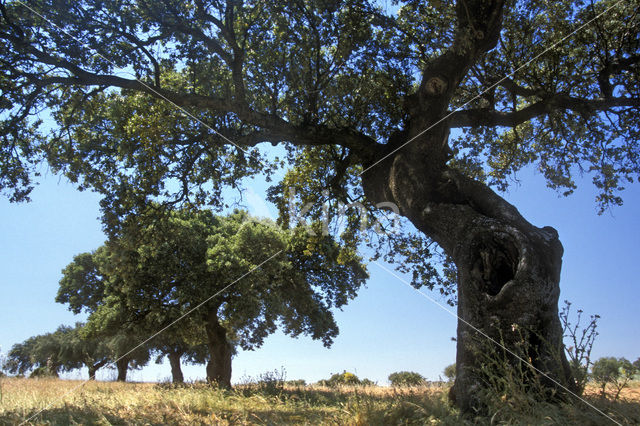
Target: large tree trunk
122 365
508 288
176 370
219 365
508 269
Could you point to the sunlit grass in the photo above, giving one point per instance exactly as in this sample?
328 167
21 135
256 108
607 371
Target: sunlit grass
108 403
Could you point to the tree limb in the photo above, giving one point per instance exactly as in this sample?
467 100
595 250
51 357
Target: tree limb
492 118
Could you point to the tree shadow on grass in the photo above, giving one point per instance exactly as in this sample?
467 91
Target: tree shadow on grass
63 416
90 416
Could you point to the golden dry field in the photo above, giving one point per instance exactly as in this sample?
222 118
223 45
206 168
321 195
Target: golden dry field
64 402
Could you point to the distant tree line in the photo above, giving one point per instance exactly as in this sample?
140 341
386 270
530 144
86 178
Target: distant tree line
68 348
201 280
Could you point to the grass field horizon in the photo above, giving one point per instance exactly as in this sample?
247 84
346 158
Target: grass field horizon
65 402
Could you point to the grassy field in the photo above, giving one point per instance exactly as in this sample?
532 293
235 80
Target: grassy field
108 403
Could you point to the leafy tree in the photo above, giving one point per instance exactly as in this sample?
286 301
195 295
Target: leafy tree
450 372
20 359
430 108
615 371
176 263
80 350
42 355
406 378
63 350
82 287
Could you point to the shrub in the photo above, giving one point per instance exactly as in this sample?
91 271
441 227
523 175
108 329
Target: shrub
406 378
344 378
450 372
271 382
367 382
615 371
579 345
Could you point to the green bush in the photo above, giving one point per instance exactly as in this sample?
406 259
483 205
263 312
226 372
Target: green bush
615 371
450 372
406 378
344 378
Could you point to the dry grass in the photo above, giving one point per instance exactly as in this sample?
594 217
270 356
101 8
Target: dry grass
108 403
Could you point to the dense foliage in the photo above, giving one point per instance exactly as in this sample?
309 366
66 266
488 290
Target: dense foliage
406 378
427 105
613 371
450 372
181 267
334 81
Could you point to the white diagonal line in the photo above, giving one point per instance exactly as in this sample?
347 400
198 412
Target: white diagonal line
184 111
432 300
72 390
489 88
160 95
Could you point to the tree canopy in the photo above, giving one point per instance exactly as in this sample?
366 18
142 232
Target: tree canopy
335 78
427 106
63 350
171 100
159 271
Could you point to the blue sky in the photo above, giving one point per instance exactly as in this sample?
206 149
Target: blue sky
388 327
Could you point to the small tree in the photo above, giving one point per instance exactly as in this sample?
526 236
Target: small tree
76 350
112 322
450 372
615 371
406 378
39 355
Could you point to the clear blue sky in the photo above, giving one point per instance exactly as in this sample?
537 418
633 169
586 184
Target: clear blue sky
388 327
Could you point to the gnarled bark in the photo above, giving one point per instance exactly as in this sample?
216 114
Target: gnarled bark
220 351
508 269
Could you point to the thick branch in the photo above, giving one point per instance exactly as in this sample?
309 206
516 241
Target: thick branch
273 128
478 28
612 68
488 117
